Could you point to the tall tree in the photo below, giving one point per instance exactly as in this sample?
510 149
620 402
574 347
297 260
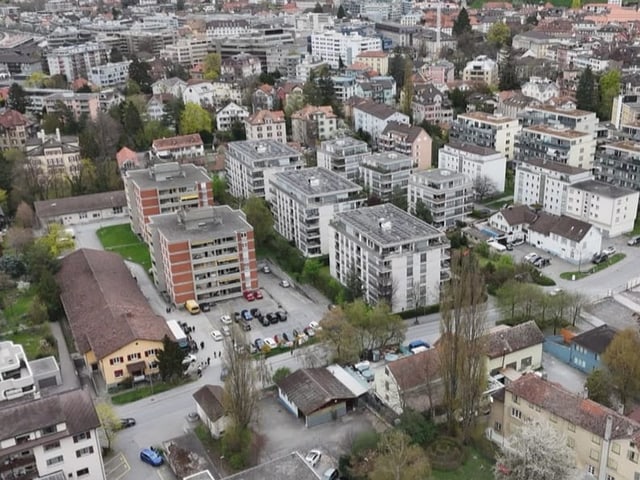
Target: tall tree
341 13
195 119
461 352
609 88
211 66
586 92
170 360
461 24
353 284
483 187
508 77
260 218
340 335
598 386
536 451
172 113
115 55
140 72
407 88
623 364
109 421
422 212
399 459
499 34
17 98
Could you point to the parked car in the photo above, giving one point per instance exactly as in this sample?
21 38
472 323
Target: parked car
226 331
271 318
216 335
245 325
517 242
255 312
237 316
246 315
533 260
331 474
632 242
599 258
542 262
249 296
610 250
127 422
285 283
315 325
224 373
309 332
271 343
226 319
259 343
286 337
529 256
282 315
152 457
313 457
258 294
252 348
205 306
189 359
265 321
266 269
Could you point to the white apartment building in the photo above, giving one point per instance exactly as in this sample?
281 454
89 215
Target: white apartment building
187 51
373 118
241 66
16 377
77 60
481 69
52 437
396 256
556 144
447 194
174 86
539 182
202 93
332 46
110 74
542 89
384 174
475 162
487 130
618 163
250 164
230 113
220 29
304 201
266 125
343 156
571 118
610 209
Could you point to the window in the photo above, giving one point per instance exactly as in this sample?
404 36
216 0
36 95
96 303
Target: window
594 454
83 452
571 442
595 439
515 399
82 473
115 360
633 456
81 436
51 446
516 413
611 477
615 448
134 356
526 363
49 430
55 460
118 373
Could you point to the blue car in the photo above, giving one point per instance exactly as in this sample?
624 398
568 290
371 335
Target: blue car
246 315
152 457
418 343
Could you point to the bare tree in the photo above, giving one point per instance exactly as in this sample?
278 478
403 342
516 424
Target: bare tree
462 328
399 459
483 187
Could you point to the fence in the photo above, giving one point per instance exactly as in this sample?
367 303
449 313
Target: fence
555 346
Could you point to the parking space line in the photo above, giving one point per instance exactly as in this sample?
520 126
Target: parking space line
162 477
121 465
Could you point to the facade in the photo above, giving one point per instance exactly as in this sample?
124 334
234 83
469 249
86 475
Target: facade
335 47
482 69
518 347
210 408
570 118
201 93
556 144
109 74
618 163
180 147
542 89
54 155
250 164
77 60
81 104
266 125
513 221
431 104
187 51
408 140
546 183
113 327
312 124
611 209
586 348
304 201
373 118
216 29
205 254
15 129
475 162
16 376
228 115
174 86
486 130
385 174
446 193
82 208
52 437
396 256
343 156
164 188
241 66
375 59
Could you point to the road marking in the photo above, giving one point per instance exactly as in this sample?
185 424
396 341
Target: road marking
112 472
162 477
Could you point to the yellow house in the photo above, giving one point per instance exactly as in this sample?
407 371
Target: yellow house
605 442
376 59
518 347
111 321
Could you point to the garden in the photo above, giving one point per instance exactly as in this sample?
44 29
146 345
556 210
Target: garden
120 239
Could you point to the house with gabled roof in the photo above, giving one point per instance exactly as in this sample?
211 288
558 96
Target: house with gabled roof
210 408
514 221
518 347
586 348
410 140
373 117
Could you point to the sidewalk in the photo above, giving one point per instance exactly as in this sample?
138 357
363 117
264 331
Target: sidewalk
70 380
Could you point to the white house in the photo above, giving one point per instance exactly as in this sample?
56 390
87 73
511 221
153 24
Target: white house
266 125
199 93
518 347
373 118
180 146
210 408
175 86
542 89
513 221
481 69
16 376
227 115
474 161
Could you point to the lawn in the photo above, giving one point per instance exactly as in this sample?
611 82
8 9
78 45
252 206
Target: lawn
139 393
121 240
477 467
591 269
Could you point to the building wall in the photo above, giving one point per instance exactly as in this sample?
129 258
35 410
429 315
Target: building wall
217 427
387 390
87 217
572 252
584 360
613 216
493 167
499 135
527 358
267 131
114 366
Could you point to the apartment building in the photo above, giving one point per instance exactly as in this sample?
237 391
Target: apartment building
81 104
187 51
304 201
481 69
180 147
609 208
15 129
409 140
218 29
556 144
202 93
487 130
335 47
373 118
375 59
206 254
54 155
385 174
432 105
312 124
539 182
447 194
53 437
618 163
174 86
571 118
230 114
266 125
241 66
604 443
396 256
109 74
164 188
16 377
77 60
343 156
475 161
250 164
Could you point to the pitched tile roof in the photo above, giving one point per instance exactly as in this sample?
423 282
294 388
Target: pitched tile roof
518 215
585 413
210 398
104 305
310 389
309 110
597 339
378 110
12 119
512 339
179 141
83 203
416 370
266 116
410 132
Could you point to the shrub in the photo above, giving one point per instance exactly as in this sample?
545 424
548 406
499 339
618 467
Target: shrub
365 441
421 430
236 445
427 310
280 373
446 453
540 279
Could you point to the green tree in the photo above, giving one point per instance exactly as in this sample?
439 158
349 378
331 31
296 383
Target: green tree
17 98
399 197
422 212
170 360
458 100
151 130
140 72
508 77
195 119
260 218
131 121
576 4
280 374
49 293
172 113
211 66
341 13
623 364
609 88
461 24
407 89
499 34
340 336
36 80
586 92
398 459
318 8
420 429
599 387
115 55
109 421
353 285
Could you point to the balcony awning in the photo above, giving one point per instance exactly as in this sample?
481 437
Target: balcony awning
136 367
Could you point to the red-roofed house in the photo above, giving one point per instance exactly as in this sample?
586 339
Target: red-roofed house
127 159
178 147
15 128
313 123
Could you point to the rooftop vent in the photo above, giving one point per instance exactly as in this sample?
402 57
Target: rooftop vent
384 224
314 182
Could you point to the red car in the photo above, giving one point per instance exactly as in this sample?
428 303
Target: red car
248 294
258 294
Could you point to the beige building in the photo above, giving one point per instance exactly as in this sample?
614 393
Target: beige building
187 51
312 124
605 443
518 348
266 125
409 140
482 69
375 59
556 144
54 155
15 129
487 130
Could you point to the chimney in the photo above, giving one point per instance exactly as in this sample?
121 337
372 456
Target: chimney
58 134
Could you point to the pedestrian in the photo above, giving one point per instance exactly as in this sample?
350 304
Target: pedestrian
208 361
199 372
202 345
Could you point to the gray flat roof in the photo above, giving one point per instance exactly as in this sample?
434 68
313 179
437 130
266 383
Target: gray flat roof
290 466
342 142
604 189
262 149
387 224
555 166
168 173
441 175
42 366
314 181
470 147
201 223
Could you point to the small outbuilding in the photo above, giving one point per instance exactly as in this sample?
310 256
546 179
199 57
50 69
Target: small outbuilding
209 405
